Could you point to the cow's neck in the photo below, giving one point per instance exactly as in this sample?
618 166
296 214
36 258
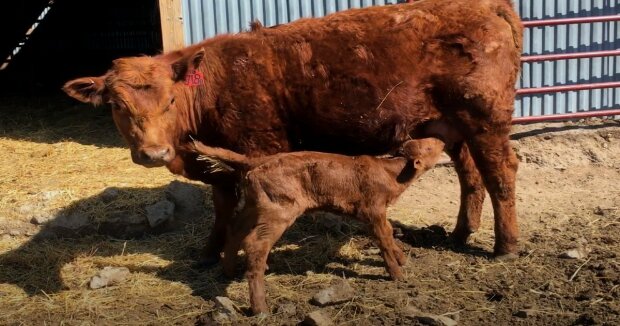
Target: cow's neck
197 110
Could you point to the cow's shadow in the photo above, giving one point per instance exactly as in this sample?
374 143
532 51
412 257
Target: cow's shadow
309 245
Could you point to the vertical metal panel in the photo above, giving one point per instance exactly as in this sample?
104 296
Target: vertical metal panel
207 18
569 39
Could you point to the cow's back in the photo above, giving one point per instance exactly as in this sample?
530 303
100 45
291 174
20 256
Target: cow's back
359 81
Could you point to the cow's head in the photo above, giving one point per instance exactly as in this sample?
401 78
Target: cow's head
141 92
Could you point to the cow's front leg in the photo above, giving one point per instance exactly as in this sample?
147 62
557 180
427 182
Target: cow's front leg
472 193
224 201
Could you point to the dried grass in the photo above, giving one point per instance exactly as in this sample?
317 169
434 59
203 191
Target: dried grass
77 153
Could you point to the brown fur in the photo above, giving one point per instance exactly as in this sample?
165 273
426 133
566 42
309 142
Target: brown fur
277 189
355 82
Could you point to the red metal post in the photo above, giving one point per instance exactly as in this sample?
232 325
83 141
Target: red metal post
566 88
578 20
565 56
566 116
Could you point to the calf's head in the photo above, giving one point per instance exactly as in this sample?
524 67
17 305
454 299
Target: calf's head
142 93
423 152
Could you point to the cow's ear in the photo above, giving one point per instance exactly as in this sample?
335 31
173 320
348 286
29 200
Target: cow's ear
187 63
417 164
87 89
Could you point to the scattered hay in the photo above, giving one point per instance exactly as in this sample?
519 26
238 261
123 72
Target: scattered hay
62 157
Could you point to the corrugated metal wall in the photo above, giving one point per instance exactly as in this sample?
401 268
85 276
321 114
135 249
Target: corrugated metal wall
206 18
569 39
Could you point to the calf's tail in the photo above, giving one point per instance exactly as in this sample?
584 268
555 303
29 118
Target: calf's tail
221 159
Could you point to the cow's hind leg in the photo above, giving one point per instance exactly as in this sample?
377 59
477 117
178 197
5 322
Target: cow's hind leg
498 164
472 193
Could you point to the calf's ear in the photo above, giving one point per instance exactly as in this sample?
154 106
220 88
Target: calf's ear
417 164
87 89
187 63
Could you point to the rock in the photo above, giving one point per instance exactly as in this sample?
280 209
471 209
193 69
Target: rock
586 295
337 293
371 251
50 195
585 320
159 212
189 200
27 209
15 233
72 222
109 194
226 306
574 254
287 309
525 313
428 319
226 312
495 296
40 219
318 318
109 276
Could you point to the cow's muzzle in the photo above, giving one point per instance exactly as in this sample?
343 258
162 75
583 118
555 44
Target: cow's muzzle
153 156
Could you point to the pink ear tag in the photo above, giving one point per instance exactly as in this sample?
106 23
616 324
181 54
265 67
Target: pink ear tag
194 78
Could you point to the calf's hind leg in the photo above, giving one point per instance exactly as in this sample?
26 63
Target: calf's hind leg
257 247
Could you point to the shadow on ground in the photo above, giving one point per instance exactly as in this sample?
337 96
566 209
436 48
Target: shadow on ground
309 245
54 118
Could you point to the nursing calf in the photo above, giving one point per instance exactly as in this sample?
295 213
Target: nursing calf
275 190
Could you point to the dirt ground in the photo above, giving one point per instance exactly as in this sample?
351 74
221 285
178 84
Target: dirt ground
64 156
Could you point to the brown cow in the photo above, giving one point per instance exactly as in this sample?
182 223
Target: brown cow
276 189
354 82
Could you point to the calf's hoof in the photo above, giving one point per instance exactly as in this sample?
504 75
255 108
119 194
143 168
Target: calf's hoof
396 274
260 309
207 262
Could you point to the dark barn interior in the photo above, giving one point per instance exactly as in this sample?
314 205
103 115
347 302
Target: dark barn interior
75 38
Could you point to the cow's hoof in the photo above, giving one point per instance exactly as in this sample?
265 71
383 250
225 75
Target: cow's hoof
506 257
207 262
459 237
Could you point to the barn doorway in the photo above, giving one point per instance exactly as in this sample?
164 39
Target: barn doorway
74 38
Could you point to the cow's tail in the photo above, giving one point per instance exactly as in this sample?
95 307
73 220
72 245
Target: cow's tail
221 159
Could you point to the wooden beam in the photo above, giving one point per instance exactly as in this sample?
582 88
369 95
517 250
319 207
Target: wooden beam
171 16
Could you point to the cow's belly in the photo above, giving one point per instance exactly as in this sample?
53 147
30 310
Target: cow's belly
367 122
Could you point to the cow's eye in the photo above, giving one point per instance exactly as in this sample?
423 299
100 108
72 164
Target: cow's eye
169 105
114 106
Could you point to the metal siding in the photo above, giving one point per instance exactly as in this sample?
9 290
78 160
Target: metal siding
207 18
568 39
